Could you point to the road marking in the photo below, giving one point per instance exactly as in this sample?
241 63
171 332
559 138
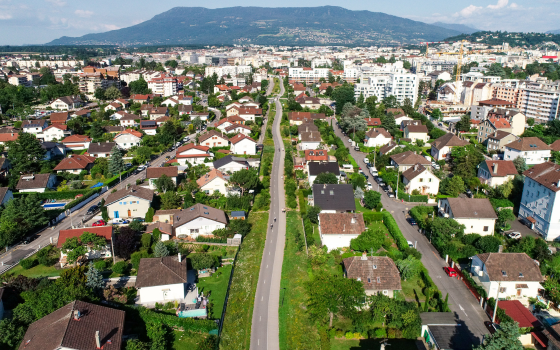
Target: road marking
435 254
462 309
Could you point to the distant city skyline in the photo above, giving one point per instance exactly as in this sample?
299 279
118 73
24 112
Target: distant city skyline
40 21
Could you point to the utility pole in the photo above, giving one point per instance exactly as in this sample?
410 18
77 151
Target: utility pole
496 305
397 189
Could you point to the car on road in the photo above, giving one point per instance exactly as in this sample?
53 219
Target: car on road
390 194
92 209
435 165
167 158
29 239
410 244
412 221
99 223
138 219
514 235
450 272
357 148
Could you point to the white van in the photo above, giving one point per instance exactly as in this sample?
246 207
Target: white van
373 171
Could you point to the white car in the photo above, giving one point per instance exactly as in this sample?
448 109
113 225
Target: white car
391 195
369 186
410 244
366 161
514 235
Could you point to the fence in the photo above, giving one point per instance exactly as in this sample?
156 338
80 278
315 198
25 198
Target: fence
227 296
4 268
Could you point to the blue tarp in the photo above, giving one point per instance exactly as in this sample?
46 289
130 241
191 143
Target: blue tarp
99 184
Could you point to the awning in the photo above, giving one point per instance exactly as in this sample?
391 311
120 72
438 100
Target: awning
530 218
521 286
541 338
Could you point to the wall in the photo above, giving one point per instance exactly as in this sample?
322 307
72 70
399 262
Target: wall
477 226
155 293
204 225
216 184
136 209
334 241
541 204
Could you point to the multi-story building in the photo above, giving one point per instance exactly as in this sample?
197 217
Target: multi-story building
225 70
541 102
308 75
540 202
163 85
508 90
89 82
18 80
400 85
532 149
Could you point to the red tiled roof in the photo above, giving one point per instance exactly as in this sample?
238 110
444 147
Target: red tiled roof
102 231
6 137
373 121
75 162
519 313
131 132
76 138
499 123
192 146
240 137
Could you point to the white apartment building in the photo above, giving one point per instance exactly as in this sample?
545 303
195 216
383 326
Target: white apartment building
532 149
541 102
18 80
163 85
308 75
225 70
321 62
400 85
540 202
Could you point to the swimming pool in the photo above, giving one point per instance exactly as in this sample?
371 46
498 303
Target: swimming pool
192 313
54 205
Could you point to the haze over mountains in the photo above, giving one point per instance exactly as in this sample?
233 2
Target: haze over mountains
326 25
461 28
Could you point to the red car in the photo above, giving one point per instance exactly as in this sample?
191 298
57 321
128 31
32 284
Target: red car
450 272
99 223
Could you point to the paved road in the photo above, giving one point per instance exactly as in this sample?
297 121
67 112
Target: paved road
18 252
461 301
264 328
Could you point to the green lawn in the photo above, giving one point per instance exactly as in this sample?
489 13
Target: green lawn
217 285
412 290
359 208
352 161
37 271
371 344
236 333
187 340
378 225
296 330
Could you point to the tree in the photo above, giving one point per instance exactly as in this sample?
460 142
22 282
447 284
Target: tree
135 344
171 200
409 267
389 124
358 181
11 333
143 154
19 217
326 178
464 124
200 261
372 199
313 213
116 162
197 123
437 115
465 161
160 250
150 215
367 240
112 93
25 154
520 164
505 338
496 70
164 183
125 243
94 278
139 86
99 93
443 230
453 186
342 95
245 179
488 244
530 121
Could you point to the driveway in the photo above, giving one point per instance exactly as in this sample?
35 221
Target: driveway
461 301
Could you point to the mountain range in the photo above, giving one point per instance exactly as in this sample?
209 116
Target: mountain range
461 28
325 25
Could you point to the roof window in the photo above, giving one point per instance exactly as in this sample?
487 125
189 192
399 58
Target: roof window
504 274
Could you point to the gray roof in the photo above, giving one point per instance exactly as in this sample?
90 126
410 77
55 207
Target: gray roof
228 159
101 147
471 208
136 191
161 271
27 182
184 216
375 272
452 337
438 318
316 168
334 197
511 267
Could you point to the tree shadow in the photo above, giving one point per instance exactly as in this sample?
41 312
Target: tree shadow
393 344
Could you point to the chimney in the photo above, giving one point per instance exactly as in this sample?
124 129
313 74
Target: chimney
364 256
77 315
97 340
344 229
353 220
495 168
179 257
415 167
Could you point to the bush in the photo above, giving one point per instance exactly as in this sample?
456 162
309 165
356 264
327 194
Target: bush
394 230
146 240
136 256
413 198
101 265
201 261
380 333
470 239
26 264
120 268
44 256
370 217
488 244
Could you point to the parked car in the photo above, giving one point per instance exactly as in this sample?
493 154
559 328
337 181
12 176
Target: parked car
412 221
469 193
369 186
391 195
410 244
357 148
492 327
128 165
450 272
514 235
99 223
138 219
119 221
92 209
435 165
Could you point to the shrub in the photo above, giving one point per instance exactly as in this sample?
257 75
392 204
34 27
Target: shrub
201 261
488 244
26 264
44 256
136 256
101 265
380 333
120 268
470 239
394 230
146 240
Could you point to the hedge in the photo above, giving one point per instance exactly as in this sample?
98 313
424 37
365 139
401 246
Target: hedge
83 198
372 217
500 313
475 286
501 203
394 230
420 214
187 324
302 203
413 198
442 196
115 179
210 239
58 194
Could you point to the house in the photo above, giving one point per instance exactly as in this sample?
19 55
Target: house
5 196
132 201
499 140
36 182
75 164
516 275
85 113
230 164
193 154
149 127
309 140
166 230
316 168
406 123
243 144
198 220
128 138
238 215
162 120
249 113
416 132
213 181
59 118
101 231
400 120
442 147
113 129
129 120
377 137
532 149
170 102
200 115
378 274
552 334
114 106
373 122
338 229
53 149
79 326
309 102
445 331
76 142
34 127
55 132
490 126
316 155
154 173
496 172
476 214
297 118
101 149
419 178
165 216
8 137
540 199
184 109
124 103
408 159
67 103
156 112
213 139
238 129
516 119
138 98
224 123
524 318
388 148
162 279
334 198
307 127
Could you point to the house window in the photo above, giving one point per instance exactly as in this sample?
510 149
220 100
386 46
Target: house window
378 279
194 230
485 228
385 292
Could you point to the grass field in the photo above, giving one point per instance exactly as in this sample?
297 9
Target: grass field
37 271
412 290
217 286
296 330
236 333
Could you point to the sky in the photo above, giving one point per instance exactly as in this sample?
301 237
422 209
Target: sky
25 22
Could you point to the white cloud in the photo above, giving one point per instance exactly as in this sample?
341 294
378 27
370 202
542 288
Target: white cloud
5 16
513 5
57 2
499 5
468 11
111 27
83 13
